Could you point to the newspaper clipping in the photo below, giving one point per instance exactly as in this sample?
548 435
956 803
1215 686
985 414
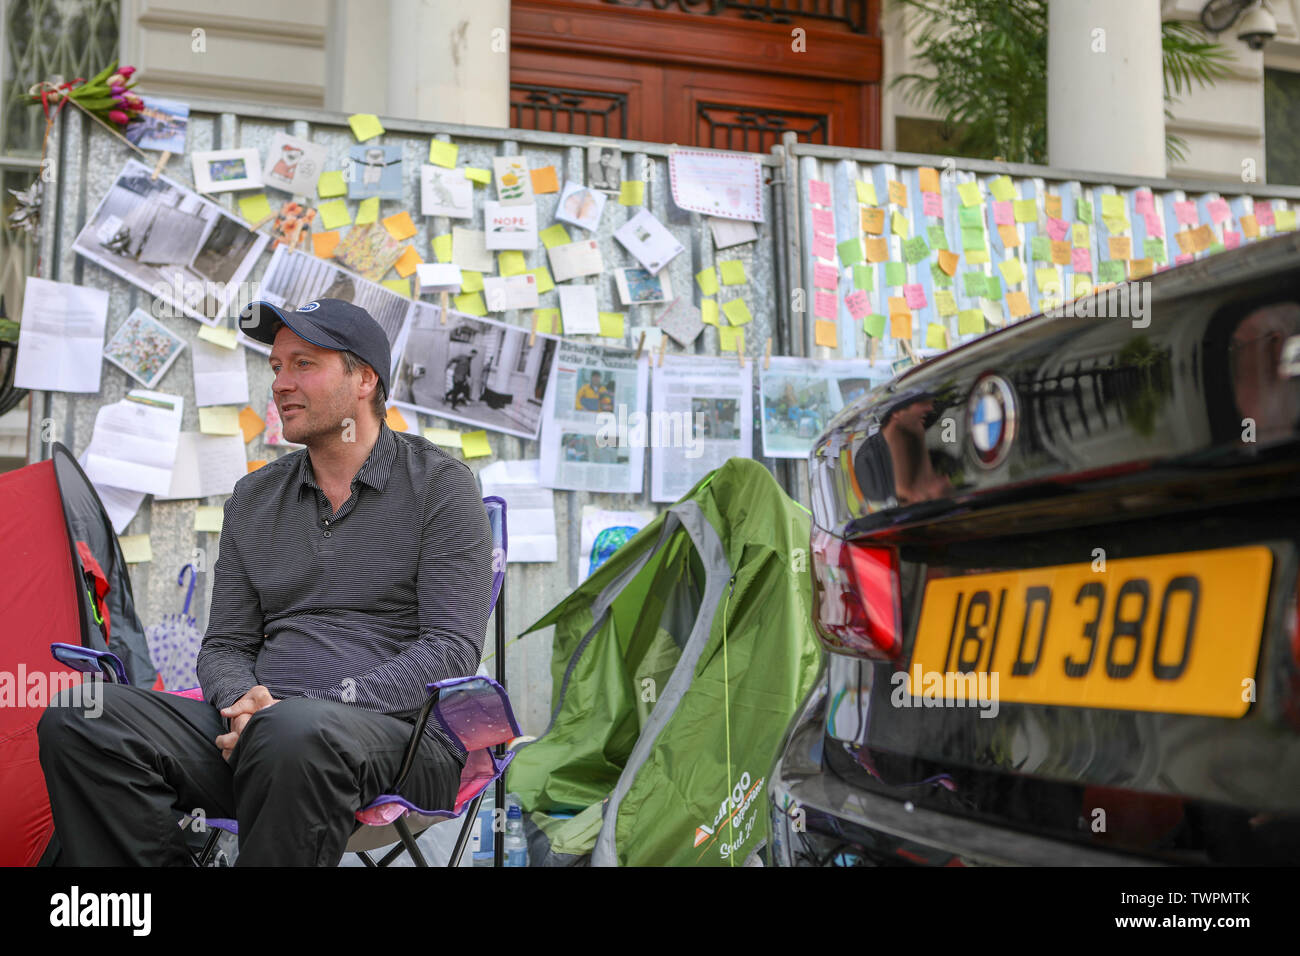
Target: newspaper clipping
801 395
702 414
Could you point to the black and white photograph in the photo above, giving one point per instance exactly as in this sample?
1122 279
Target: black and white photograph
168 240
473 370
225 170
605 168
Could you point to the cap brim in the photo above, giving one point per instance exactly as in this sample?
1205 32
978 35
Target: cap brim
298 323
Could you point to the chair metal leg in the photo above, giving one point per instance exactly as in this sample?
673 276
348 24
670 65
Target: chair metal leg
209 847
393 854
408 841
471 817
365 858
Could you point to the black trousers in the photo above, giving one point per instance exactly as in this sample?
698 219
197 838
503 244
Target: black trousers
121 780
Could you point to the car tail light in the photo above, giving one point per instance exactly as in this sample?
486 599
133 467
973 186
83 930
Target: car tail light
856 595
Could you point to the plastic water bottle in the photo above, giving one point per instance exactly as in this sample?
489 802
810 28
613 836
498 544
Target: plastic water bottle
480 841
516 847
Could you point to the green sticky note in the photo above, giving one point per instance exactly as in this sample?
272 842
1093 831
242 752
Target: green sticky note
992 287
544 281
1112 270
940 278
938 238
548 320
973 216
709 311
972 237
866 192
368 211
400 286
1012 270
470 303
969 193
611 324
874 325
1112 206
1216 247
915 250
475 444
442 247
365 126
1003 188
850 251
936 336
555 235
737 312
1025 210
863 279
707 279
733 272
973 283
895 273
255 209
970 322
443 154
209 518
480 176
1083 211
471 281
1041 249
1154 249
631 193
510 262
331 184
334 214
898 224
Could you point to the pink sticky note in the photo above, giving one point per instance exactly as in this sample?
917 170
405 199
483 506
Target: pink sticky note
857 299
819 192
1081 260
1264 212
1057 228
1183 258
1185 212
932 204
823 246
1002 213
1231 240
824 305
826 277
1218 209
1144 202
1155 225
915 295
823 220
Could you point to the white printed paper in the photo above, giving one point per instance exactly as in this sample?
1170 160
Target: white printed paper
728 185
133 446
511 292
220 375
469 251
604 532
578 310
509 227
293 164
206 465
439 277
61 337
731 232
706 404
649 241
575 259
446 192
514 181
530 509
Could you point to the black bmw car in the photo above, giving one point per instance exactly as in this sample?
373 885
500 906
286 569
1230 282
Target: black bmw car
1056 571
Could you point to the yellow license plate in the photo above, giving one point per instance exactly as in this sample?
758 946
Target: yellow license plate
1175 633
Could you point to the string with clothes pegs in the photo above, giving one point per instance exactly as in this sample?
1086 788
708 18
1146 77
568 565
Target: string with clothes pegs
767 355
443 305
871 349
158 168
663 344
639 345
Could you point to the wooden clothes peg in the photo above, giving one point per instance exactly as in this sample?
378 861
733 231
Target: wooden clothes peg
532 336
641 344
663 343
158 168
767 355
442 305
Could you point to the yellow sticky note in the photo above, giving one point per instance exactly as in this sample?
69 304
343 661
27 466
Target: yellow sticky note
1112 205
977 257
471 303
877 250
443 437
1018 304
929 177
324 243
873 220
208 518
731 339
475 444
737 312
1025 210
708 281
365 126
396 420
334 214
1121 247
897 193
255 463
1052 205
136 548
898 224
250 423
399 225
969 193
1080 235
510 262
936 336
733 272
407 262
219 336
255 209
1002 188
611 324
709 311
631 193
544 281
866 192
555 235
970 322
480 176
443 154
400 286
368 211
948 262
442 247
471 281
547 320
1009 236
1047 279
944 302
219 420
331 184
826 334
1012 270
544 180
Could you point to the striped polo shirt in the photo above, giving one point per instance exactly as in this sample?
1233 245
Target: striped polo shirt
364 606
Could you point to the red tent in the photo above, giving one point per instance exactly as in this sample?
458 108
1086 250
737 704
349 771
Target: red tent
62 579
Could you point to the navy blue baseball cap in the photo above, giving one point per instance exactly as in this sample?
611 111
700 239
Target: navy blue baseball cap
328 323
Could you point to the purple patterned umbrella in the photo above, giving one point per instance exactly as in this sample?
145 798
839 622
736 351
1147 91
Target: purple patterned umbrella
174 642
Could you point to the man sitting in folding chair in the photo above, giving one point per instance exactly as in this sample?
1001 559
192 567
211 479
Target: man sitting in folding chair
351 575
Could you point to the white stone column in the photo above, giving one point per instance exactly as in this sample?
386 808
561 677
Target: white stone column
1105 101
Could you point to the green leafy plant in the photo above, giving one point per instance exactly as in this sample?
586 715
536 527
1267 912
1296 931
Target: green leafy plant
987 73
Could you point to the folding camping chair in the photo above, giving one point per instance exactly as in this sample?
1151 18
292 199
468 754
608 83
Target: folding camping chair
476 710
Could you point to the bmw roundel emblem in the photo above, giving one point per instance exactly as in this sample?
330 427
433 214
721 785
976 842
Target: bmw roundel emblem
991 419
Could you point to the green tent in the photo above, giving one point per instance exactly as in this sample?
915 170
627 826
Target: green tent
677 667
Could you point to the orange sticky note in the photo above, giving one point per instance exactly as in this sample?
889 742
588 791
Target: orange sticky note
1141 268
1184 240
1121 247
255 464
948 262
826 334
1052 204
897 193
877 250
1018 304
873 220
395 420
250 423
1061 252
1202 238
1249 226
1009 235
900 318
929 179
399 225
544 180
324 243
407 262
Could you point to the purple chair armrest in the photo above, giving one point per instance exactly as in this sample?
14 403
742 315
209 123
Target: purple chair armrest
476 711
90 661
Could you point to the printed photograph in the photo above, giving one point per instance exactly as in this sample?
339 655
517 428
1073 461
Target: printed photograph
586 449
143 348
637 286
595 392
581 206
161 125
225 170
605 168
715 418
795 409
